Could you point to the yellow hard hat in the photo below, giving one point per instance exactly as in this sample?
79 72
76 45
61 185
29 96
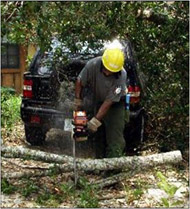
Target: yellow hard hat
113 59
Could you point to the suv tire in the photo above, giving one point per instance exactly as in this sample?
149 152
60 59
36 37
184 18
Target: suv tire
34 135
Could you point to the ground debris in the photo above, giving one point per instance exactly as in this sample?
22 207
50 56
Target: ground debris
134 191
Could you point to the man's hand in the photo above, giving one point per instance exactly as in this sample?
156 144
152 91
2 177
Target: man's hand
77 104
93 125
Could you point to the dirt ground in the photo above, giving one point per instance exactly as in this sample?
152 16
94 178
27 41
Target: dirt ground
141 190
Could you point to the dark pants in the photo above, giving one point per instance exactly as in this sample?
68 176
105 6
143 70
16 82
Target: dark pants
110 141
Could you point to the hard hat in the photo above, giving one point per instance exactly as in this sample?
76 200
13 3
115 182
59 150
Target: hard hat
113 59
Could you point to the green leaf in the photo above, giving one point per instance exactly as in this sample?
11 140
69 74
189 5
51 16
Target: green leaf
165 202
172 190
177 203
161 176
164 185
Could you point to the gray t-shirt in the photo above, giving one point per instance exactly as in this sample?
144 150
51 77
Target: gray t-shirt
103 87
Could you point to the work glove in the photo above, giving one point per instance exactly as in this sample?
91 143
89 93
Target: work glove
93 125
77 104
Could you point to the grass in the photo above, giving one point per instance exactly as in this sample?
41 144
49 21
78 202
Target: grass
85 197
46 198
53 198
68 190
7 187
53 171
135 191
29 188
88 195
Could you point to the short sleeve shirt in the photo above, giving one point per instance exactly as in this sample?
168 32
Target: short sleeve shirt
103 87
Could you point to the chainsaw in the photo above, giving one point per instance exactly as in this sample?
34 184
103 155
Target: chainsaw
80 126
79 134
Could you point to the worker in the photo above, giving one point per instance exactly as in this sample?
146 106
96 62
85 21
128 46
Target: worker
106 78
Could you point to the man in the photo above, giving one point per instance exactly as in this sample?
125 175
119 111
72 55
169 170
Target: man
106 78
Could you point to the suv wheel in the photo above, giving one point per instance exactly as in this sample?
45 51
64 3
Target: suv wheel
35 135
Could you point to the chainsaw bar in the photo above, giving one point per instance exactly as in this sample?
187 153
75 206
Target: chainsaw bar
74 160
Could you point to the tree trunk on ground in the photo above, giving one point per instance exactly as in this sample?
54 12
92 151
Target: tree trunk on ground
30 173
130 163
22 152
136 163
26 174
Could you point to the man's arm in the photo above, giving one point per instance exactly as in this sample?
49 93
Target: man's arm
94 123
78 88
103 109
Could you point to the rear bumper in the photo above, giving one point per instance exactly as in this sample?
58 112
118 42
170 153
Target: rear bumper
47 117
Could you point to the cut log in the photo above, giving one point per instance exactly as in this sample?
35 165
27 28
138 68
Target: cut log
136 163
23 165
22 152
34 173
130 163
25 174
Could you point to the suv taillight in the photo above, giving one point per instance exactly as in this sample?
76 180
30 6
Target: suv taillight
27 88
134 91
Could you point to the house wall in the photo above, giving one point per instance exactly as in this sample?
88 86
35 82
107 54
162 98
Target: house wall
14 77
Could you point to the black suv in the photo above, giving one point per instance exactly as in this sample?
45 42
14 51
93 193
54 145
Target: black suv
39 108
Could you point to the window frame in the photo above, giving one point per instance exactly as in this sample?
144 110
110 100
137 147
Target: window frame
8 54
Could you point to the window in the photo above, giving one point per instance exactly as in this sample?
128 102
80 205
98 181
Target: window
10 56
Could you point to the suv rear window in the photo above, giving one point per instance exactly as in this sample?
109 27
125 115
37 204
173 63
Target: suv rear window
45 64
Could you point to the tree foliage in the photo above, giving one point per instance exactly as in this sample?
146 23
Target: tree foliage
158 31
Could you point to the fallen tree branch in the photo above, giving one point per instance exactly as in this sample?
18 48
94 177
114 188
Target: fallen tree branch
22 152
110 197
130 163
113 179
22 165
26 174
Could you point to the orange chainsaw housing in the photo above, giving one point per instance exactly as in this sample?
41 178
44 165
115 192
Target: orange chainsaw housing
80 122
80 118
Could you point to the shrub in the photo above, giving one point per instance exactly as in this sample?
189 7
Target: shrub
10 108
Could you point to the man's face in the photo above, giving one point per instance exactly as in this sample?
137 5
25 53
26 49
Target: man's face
107 72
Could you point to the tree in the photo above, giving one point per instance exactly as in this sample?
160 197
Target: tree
158 31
